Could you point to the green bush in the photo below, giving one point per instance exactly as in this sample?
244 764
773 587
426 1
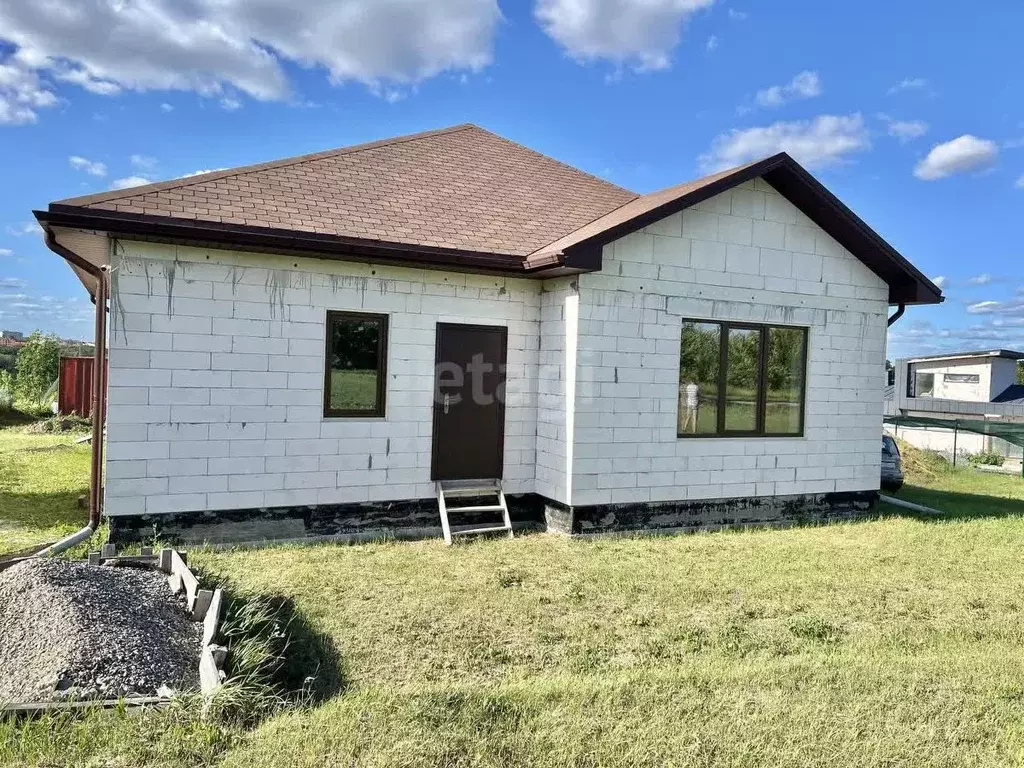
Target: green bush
989 458
6 391
38 367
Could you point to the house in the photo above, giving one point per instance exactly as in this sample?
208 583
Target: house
978 389
307 346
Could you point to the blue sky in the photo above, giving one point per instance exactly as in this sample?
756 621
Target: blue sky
911 112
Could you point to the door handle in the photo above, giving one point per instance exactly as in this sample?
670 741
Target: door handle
446 404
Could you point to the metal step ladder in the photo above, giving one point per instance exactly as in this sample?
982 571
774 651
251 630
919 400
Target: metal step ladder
454 488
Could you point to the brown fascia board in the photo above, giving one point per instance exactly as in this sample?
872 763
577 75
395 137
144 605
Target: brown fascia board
271 240
907 285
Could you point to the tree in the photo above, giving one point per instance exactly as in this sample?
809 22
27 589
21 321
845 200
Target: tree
37 367
1020 371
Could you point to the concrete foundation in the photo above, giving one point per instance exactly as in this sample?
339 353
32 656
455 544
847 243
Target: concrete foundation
419 519
708 514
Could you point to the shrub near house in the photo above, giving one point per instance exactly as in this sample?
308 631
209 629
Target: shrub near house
38 367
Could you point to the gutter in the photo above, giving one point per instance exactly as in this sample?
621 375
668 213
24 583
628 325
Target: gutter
273 240
99 395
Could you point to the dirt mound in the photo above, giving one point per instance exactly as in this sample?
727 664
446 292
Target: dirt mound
69 630
921 463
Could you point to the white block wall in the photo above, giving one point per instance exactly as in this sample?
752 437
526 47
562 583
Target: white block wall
217 371
217 367
559 321
745 255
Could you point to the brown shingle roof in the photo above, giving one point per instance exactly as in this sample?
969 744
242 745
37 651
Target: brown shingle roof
635 208
463 188
459 198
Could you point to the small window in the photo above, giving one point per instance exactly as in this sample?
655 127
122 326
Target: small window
739 379
354 380
961 378
920 384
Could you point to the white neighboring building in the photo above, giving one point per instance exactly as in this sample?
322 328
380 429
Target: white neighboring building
284 338
966 385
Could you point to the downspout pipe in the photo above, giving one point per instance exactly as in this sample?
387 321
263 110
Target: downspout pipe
99 395
897 314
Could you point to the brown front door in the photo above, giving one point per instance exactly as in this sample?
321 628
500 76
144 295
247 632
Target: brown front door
469 402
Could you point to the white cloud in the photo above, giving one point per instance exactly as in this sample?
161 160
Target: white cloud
228 46
88 166
712 43
200 172
738 15
11 283
826 140
21 93
1013 308
145 162
49 313
165 107
230 104
963 154
82 78
908 84
982 279
25 228
805 85
907 130
637 33
130 181
923 338
940 281
1019 184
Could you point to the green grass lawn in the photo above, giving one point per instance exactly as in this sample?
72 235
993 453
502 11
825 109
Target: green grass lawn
41 478
895 641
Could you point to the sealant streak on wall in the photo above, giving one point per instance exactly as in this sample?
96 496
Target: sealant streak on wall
219 404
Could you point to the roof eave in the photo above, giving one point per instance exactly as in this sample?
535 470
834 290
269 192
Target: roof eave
270 240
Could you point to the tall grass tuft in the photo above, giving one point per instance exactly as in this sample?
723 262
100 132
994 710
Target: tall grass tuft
275 660
257 639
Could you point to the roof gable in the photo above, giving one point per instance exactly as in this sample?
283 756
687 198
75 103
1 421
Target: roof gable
906 283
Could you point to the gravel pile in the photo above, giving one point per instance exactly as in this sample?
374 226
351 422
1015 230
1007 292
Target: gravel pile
71 630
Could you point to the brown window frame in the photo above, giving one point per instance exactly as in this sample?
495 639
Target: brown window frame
762 392
333 316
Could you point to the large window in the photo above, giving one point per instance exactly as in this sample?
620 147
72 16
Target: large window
737 379
356 364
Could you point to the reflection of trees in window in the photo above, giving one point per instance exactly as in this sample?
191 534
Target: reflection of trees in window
785 374
743 367
356 356
700 359
750 379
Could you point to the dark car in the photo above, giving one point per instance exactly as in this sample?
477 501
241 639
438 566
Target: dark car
892 467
